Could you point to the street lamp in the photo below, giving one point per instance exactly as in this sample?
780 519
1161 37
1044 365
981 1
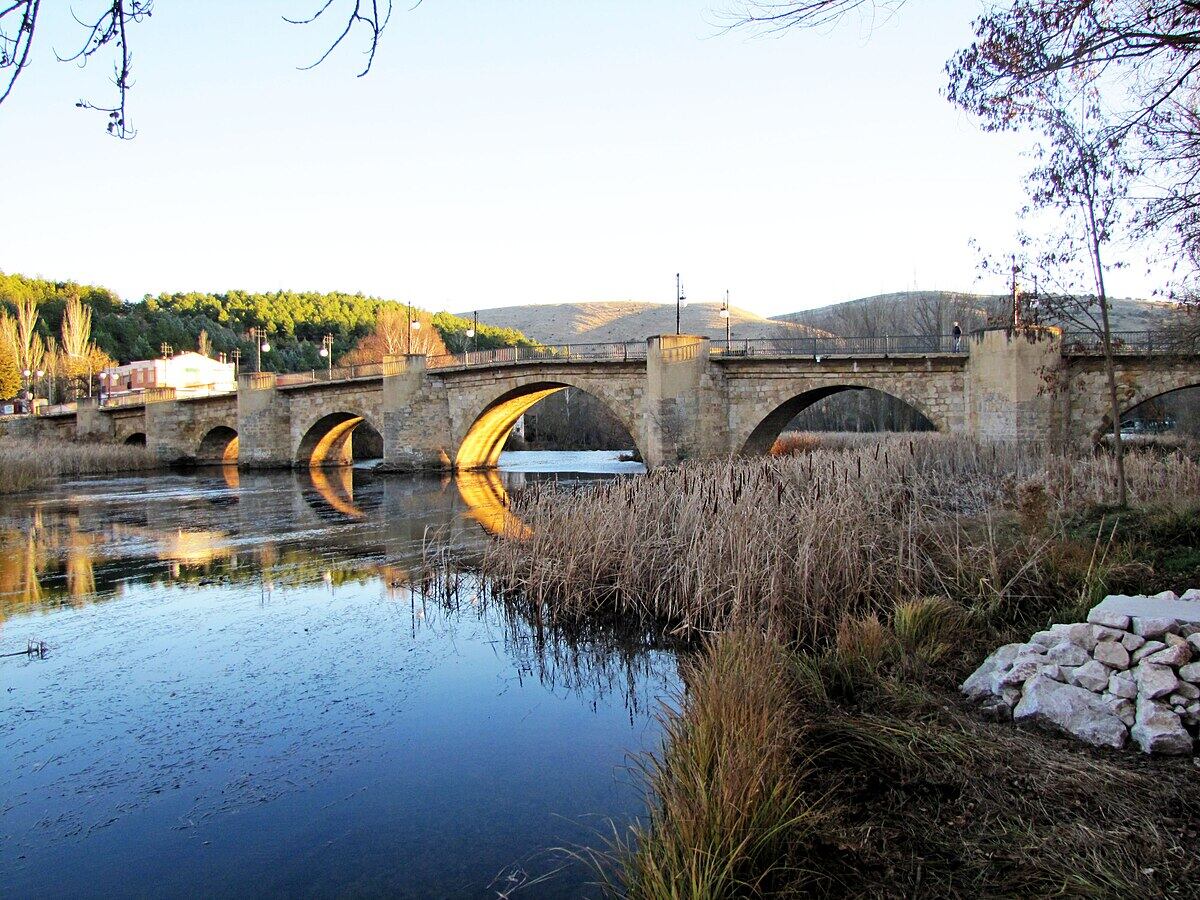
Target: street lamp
258 334
103 386
326 352
680 301
474 330
414 325
725 316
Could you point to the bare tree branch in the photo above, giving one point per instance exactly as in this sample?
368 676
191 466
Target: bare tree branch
372 14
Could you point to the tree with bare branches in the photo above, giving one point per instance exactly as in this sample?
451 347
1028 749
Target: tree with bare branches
108 30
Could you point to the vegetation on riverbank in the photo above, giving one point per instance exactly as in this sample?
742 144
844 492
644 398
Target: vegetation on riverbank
26 463
880 574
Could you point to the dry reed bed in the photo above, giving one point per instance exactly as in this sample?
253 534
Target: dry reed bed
26 463
803 541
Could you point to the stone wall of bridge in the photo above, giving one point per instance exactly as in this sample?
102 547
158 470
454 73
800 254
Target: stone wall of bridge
681 402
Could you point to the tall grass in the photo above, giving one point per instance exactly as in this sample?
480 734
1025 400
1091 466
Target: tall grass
26 463
730 804
799 542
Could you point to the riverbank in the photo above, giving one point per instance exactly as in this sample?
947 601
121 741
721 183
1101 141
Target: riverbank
872 580
27 464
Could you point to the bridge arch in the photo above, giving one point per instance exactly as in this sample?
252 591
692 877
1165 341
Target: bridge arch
485 437
137 439
338 439
218 447
762 436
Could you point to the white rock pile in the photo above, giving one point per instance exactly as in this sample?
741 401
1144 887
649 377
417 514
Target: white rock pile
1128 672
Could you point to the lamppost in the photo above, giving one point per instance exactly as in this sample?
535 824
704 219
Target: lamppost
237 360
725 316
327 353
259 334
473 331
680 301
414 325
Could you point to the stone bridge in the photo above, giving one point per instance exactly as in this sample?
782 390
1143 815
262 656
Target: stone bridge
679 397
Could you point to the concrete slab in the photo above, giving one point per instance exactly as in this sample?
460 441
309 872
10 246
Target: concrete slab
1151 608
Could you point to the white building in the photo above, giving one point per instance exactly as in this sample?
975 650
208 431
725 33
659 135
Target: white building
188 373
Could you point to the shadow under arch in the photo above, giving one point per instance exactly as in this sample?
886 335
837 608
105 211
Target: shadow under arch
137 439
481 446
488 504
1145 404
339 439
218 447
763 437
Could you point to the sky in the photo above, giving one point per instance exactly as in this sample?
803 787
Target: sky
511 151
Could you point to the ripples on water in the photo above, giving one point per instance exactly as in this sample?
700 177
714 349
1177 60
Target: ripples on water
242 698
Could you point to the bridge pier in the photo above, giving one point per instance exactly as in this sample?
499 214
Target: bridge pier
264 422
415 417
1015 383
677 424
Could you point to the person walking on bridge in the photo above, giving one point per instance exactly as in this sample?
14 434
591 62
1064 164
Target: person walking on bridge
957 332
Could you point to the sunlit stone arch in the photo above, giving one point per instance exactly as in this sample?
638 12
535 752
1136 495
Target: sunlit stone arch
327 440
218 446
486 416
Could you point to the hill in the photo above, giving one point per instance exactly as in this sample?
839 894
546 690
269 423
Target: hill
631 320
934 312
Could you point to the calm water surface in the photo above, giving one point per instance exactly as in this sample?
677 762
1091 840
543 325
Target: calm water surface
243 698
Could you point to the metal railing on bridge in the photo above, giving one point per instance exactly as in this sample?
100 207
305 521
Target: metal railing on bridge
611 352
138 398
833 345
338 373
1134 343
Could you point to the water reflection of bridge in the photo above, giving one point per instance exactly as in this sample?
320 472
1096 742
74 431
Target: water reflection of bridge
73 546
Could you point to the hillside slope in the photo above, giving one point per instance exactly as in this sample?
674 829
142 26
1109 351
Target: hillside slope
927 312
630 320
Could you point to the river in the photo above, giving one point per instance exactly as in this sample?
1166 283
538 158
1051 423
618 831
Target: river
242 697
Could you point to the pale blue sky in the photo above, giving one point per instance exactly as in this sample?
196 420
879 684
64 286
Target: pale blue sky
511 151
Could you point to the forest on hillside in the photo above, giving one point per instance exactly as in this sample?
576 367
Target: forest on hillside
295 322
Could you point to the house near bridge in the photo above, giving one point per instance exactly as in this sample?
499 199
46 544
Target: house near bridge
189 374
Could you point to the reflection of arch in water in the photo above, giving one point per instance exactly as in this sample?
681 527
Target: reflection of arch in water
219 447
335 488
488 504
481 446
339 439
766 431
137 439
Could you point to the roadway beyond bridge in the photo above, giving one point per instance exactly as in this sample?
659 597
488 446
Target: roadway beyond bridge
679 396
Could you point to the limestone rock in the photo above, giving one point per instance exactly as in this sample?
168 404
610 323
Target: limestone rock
1191 594
1072 709
1079 634
1157 729
1193 641
981 682
1112 654
1188 690
1190 672
1122 685
1179 655
1146 649
1150 627
1044 638
1154 681
1165 595
1091 675
1053 671
1110 619
1123 708
1067 654
1022 667
1132 641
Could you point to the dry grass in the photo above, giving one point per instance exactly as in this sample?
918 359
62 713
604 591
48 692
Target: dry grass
26 463
799 543
730 805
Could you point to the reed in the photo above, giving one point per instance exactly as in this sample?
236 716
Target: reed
730 805
27 463
795 544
